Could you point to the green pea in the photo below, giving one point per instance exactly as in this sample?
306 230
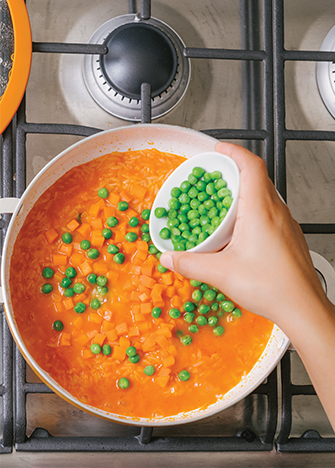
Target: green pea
133 222
92 278
198 172
93 254
220 313
174 222
193 328
223 213
216 221
179 247
158 255
152 249
65 283
204 287
223 192
184 209
215 306
161 269
190 245
202 210
212 321
175 232
156 312
194 203
192 179
119 258
175 192
58 325
210 295
101 280
146 237
113 249
160 212
107 233
227 202
149 370
102 290
112 221
85 244
67 238
95 304
227 306
145 214
106 350
172 213
123 383
184 375
134 359
193 214
95 348
189 317
80 307
70 272
208 204
219 184
47 273
188 306
186 234
210 189
184 199
203 196
237 313
213 212
193 192
185 186
179 333
215 175
103 193
201 320
131 237
201 185
165 233
218 331
197 295
207 177
186 340
131 351
195 283
174 313
145 228
123 206
79 288
204 309
69 292
220 297
174 203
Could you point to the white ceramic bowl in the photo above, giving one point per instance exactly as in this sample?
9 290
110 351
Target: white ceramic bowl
210 161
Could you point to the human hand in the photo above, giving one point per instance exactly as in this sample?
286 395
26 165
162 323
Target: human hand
266 268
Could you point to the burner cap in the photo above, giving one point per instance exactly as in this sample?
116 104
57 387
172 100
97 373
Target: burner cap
139 53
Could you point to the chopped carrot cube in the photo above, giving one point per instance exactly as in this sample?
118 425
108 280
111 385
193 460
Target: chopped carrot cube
170 291
129 247
111 335
139 318
107 326
165 331
95 318
135 296
58 276
51 235
147 281
114 198
85 268
178 284
100 268
172 350
118 237
108 212
118 353
73 225
78 323
167 278
164 372
97 241
65 249
68 303
107 314
122 329
176 302
113 276
59 259
94 209
146 308
134 331
135 270
144 297
82 298
84 229
148 344
156 292
162 341
146 269
142 246
100 338
162 381
124 342
82 340
125 196
59 306
65 339
138 191
86 354
96 223
77 259
168 361
91 334
143 326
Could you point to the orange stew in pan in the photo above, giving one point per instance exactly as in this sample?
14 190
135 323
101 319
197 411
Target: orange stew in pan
100 314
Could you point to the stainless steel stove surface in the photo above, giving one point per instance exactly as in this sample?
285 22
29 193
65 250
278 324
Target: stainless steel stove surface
218 102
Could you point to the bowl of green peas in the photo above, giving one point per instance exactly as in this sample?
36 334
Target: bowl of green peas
196 207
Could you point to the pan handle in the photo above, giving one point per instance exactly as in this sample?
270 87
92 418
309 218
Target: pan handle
7 205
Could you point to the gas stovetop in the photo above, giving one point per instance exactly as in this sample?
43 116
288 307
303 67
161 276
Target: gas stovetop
250 79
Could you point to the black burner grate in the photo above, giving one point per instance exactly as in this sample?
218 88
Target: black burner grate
259 135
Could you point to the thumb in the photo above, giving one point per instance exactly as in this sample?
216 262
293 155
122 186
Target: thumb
198 266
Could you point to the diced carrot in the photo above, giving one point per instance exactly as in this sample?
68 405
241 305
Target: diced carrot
118 353
114 198
148 344
139 318
95 318
156 292
76 246
68 303
111 335
82 340
129 247
124 342
84 229
147 281
162 341
59 259
146 308
146 269
113 276
142 246
131 213
176 302
77 259
91 334
168 361
178 284
59 306
97 241
100 268
65 249
106 313
51 235
125 196
108 212
135 296
107 326
164 372
65 339
122 329
167 278
133 331
170 291
82 298
128 285
73 225
78 323
162 381
172 350
138 191
58 276
94 209
143 326
144 297
118 237
100 338
96 223
86 354
85 268
165 331
135 270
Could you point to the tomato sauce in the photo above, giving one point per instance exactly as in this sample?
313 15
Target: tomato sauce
215 363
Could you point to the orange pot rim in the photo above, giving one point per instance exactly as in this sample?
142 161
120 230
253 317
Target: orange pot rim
21 65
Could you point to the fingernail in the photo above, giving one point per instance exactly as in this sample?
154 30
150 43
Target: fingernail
167 261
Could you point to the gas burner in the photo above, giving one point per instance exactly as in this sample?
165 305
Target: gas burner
325 74
139 51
